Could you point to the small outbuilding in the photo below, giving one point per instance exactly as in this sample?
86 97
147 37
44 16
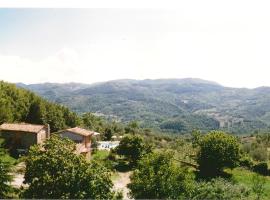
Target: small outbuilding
20 136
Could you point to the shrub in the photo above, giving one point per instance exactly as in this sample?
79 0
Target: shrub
247 147
219 189
158 177
259 154
5 178
246 161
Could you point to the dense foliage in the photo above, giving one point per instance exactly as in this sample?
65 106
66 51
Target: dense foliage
5 178
217 151
19 105
219 189
55 172
256 149
158 177
133 148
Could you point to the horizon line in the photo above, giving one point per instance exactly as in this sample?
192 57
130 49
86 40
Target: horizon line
130 79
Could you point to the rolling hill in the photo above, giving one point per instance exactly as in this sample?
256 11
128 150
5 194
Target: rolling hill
174 105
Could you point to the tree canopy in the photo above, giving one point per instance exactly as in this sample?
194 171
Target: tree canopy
133 148
20 105
55 171
217 151
158 177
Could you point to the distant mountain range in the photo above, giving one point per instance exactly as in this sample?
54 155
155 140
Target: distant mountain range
168 105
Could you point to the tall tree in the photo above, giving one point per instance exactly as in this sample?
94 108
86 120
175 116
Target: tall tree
108 133
37 112
5 111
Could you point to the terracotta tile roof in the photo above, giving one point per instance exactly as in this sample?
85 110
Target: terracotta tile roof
81 131
31 128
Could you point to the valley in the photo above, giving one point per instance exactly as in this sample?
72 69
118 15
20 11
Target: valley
167 105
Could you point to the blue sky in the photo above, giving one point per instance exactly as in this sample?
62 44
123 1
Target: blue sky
228 44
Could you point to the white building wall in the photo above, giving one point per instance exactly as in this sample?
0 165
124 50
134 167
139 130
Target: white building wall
74 137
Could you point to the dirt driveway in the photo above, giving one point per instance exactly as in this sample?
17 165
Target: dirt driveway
120 183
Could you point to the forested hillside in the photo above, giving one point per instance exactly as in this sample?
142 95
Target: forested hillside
19 105
175 105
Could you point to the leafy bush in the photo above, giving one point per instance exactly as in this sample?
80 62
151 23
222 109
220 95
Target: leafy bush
219 189
259 154
5 178
196 138
217 151
261 168
5 164
246 161
158 177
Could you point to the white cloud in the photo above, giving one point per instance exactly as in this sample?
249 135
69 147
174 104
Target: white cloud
59 67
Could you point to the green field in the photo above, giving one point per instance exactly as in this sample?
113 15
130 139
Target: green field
244 176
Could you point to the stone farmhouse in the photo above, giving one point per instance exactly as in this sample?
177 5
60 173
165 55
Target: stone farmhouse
21 136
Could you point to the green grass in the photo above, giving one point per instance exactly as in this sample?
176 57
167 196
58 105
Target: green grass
100 155
244 176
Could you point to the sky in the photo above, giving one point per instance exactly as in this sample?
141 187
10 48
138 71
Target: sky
226 42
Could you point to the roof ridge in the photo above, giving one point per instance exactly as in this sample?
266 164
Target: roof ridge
23 123
24 127
81 131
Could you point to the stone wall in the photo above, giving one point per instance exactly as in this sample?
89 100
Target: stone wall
19 140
